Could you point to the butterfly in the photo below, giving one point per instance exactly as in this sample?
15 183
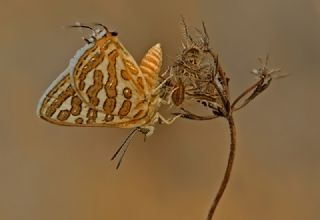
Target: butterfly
103 86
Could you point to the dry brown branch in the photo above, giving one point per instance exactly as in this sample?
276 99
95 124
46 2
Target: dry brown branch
228 170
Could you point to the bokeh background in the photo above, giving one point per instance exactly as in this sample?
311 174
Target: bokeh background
51 172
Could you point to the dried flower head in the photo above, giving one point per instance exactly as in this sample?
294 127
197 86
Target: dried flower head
195 76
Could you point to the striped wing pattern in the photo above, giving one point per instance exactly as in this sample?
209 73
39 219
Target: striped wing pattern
104 86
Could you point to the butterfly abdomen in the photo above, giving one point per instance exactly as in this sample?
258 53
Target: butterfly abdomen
151 64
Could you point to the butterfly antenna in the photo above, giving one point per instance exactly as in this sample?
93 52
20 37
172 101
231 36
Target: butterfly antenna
124 144
78 25
102 26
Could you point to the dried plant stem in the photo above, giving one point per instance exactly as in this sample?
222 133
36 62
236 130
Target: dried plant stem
227 173
198 68
243 94
190 115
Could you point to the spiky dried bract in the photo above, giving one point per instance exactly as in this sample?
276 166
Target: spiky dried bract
196 76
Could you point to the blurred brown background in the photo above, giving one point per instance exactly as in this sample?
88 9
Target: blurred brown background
49 172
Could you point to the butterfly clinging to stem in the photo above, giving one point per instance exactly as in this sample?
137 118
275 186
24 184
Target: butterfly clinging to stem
103 86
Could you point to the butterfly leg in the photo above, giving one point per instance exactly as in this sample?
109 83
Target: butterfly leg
167 121
162 83
147 130
169 101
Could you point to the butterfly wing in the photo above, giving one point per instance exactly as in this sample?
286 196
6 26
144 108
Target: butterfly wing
61 105
103 86
150 66
108 79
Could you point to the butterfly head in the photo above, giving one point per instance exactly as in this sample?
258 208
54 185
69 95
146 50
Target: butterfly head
98 31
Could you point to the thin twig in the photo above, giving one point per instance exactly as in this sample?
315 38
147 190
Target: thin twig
219 70
227 173
244 94
191 116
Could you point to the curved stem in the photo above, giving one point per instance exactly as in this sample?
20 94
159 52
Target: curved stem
243 95
227 173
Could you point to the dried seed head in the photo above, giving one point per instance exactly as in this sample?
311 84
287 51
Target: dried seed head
193 72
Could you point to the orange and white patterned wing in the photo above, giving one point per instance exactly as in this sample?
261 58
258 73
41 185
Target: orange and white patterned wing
108 78
150 66
103 86
61 105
